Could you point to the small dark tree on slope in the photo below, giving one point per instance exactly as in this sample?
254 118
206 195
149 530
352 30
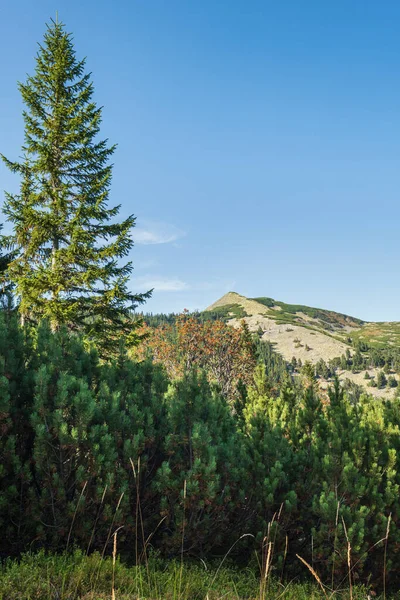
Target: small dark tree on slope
381 379
67 241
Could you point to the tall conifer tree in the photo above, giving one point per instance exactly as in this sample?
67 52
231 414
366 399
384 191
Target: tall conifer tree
6 298
68 242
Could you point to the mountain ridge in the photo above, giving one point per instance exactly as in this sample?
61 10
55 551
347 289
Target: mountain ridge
306 334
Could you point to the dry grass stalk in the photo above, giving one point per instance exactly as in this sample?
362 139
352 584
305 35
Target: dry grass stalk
226 556
362 556
314 574
96 520
349 566
139 520
75 513
334 544
268 561
267 569
348 559
268 554
265 564
385 555
112 525
114 559
183 537
137 508
108 539
285 555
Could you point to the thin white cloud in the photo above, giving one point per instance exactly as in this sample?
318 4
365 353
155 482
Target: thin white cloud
161 284
152 232
174 284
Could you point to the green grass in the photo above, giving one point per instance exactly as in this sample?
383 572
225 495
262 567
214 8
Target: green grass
328 322
78 577
379 335
374 334
230 311
327 319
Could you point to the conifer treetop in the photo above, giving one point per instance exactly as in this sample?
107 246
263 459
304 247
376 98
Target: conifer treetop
69 244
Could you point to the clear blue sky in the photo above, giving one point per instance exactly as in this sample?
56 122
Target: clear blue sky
258 142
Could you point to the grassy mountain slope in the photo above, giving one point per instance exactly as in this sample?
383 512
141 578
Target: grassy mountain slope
379 334
308 334
300 333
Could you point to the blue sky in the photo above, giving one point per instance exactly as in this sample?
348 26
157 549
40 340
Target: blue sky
258 142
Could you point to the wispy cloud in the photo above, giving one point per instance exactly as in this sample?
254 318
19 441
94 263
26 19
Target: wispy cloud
161 284
156 232
175 284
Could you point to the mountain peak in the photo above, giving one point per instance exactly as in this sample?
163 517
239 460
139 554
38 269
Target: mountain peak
308 334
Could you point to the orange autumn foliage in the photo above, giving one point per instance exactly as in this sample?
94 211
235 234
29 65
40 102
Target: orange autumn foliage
225 353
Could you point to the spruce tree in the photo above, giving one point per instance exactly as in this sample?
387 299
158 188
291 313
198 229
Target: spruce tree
381 380
6 301
68 242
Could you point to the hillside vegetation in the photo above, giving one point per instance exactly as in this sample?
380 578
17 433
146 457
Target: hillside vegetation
306 334
193 456
325 321
184 466
280 312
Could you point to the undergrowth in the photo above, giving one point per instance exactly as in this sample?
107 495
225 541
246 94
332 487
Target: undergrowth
75 576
